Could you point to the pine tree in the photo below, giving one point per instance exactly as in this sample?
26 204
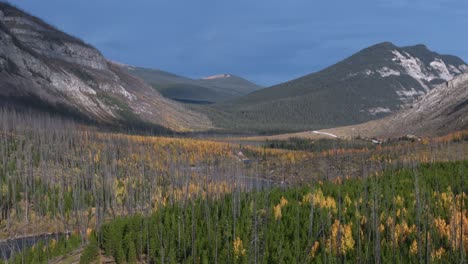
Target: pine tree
131 253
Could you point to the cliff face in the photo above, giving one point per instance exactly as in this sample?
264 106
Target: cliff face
41 63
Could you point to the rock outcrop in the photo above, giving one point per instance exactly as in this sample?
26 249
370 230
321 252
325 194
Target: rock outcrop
444 109
42 65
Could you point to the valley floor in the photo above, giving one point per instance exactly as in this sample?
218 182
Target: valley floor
57 176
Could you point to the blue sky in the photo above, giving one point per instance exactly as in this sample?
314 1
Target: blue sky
266 41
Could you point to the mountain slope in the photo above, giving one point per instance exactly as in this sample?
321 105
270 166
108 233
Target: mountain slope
210 89
442 110
373 83
41 66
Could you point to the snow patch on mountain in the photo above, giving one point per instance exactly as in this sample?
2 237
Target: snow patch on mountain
219 76
325 133
437 69
440 67
368 72
409 93
383 72
413 66
386 72
378 110
353 74
454 69
463 68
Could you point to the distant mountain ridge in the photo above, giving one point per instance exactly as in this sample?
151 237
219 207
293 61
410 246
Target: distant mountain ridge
44 68
442 110
210 89
41 66
372 83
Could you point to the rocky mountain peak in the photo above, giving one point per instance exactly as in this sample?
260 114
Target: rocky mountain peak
375 82
417 67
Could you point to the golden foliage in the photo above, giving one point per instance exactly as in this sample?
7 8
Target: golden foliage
337 180
89 231
381 228
314 249
399 201
341 238
455 136
456 231
283 201
389 222
318 199
442 227
400 213
402 231
414 248
238 247
281 155
277 208
459 229
277 211
347 201
363 220
437 254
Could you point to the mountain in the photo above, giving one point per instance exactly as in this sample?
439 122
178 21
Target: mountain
210 89
444 109
372 83
44 68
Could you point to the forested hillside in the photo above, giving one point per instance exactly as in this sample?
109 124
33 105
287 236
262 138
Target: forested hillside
375 82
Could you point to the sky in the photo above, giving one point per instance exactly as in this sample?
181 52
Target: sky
265 41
